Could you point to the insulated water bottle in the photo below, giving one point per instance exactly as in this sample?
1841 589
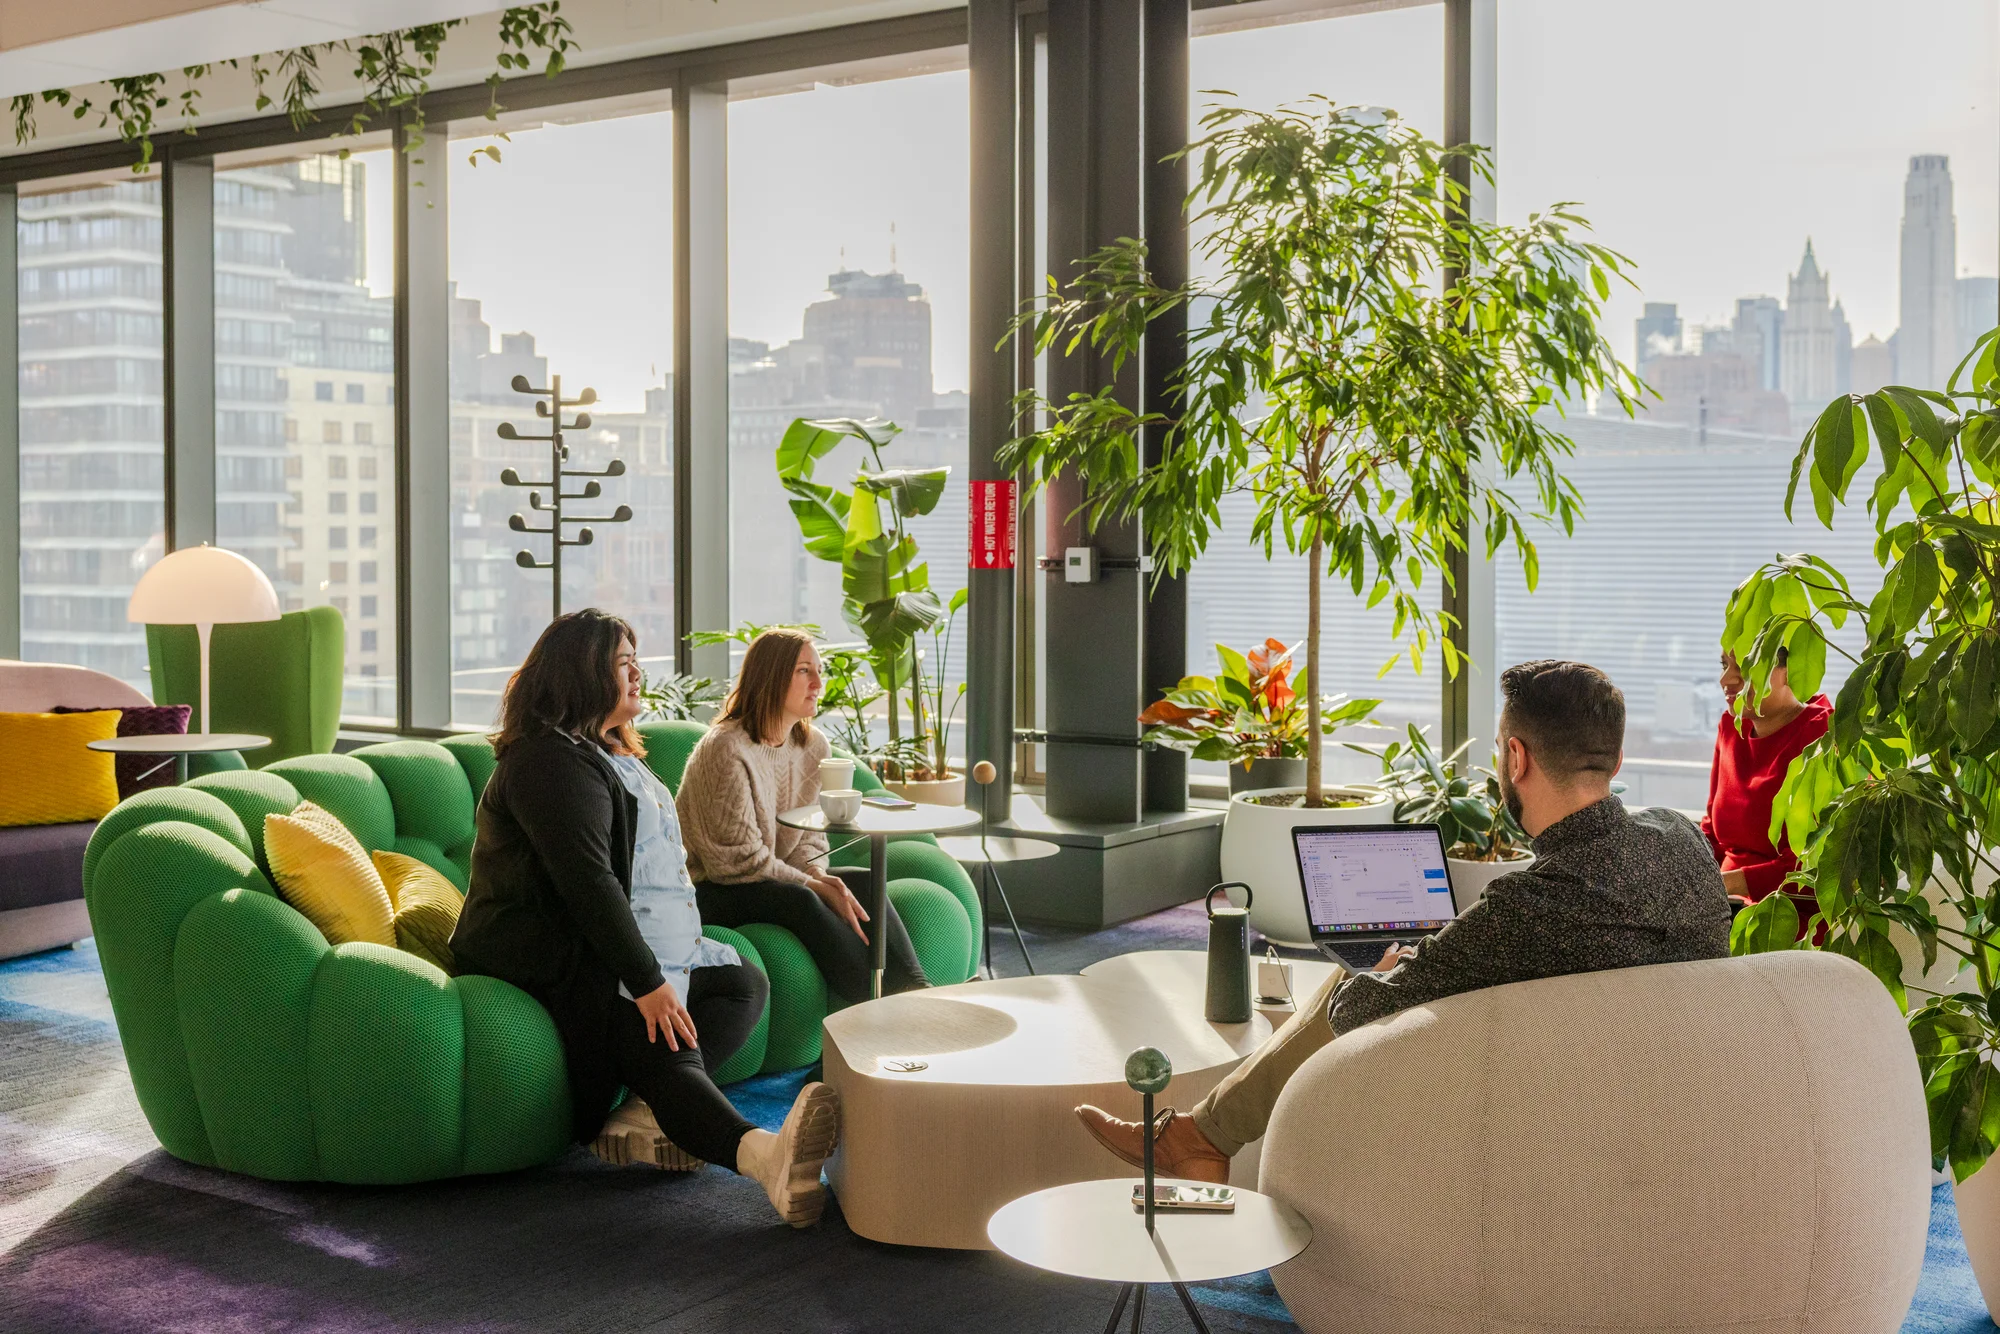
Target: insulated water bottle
1228 957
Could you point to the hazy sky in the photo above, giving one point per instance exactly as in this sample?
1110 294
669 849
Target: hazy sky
1706 139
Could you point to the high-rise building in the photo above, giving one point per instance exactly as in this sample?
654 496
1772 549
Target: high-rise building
1758 335
1656 333
1978 310
1813 340
1874 365
1928 298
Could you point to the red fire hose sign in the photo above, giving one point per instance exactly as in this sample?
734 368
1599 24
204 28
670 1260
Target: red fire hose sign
992 514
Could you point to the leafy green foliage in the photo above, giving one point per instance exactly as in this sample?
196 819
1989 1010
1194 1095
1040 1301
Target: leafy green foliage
1252 709
1896 810
1374 366
847 690
679 697
1465 804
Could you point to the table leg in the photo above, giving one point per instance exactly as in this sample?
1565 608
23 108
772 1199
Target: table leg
1118 1311
1008 904
986 918
1138 1307
878 909
1187 1300
180 768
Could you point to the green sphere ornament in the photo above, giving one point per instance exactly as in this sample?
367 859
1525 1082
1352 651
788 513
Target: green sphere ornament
1147 1070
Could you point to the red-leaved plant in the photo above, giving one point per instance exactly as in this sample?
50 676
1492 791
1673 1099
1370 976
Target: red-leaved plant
1253 709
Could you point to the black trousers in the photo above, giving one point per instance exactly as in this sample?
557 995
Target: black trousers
679 1085
841 955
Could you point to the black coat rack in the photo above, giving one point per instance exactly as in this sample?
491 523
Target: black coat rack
549 405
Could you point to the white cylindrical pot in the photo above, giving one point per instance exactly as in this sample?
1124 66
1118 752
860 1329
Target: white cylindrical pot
1257 849
1469 879
931 792
1978 1200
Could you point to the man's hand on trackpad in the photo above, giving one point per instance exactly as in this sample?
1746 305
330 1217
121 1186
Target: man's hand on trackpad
1394 955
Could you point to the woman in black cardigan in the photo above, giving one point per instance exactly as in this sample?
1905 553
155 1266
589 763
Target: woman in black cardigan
550 910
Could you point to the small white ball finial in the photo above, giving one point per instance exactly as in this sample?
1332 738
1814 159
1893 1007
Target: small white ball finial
984 772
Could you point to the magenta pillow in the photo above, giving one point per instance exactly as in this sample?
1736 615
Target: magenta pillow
136 773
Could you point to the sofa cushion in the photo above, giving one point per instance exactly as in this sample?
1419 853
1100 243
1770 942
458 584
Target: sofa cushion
427 907
138 773
323 872
50 775
42 864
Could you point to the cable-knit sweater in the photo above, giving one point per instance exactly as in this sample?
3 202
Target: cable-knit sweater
729 801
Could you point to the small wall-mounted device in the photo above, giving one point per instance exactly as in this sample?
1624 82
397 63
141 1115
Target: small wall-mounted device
1080 565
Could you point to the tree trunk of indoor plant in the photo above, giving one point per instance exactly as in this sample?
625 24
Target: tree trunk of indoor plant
1313 684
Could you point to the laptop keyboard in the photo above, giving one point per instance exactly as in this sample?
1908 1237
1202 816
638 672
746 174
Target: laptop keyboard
1360 957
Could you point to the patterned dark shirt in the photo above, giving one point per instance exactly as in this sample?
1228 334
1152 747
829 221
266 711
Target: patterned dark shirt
1609 888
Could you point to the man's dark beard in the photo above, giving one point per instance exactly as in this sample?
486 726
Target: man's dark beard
1508 796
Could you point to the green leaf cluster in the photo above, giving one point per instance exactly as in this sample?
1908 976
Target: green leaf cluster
1252 708
1895 812
1464 802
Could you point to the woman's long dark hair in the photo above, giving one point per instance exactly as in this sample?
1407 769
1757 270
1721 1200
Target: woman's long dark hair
757 703
569 683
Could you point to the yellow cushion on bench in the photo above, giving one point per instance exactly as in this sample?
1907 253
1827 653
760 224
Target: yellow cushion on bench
48 775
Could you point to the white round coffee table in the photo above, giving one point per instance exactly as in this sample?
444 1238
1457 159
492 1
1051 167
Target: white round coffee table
958 1099
179 745
1089 1229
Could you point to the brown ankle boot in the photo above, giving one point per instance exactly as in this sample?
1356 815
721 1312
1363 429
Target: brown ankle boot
1179 1147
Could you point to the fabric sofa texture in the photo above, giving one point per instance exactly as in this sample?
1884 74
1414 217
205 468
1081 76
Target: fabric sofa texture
1734 1144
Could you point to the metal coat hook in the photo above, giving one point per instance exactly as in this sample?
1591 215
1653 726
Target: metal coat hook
549 406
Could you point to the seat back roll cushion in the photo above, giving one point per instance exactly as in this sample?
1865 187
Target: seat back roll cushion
322 871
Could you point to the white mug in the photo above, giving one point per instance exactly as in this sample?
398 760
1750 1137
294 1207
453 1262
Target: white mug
840 805
836 775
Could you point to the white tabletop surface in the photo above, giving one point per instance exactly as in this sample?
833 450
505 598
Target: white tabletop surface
1089 1229
177 743
972 848
918 819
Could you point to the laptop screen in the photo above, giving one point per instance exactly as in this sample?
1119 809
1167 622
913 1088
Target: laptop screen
1362 878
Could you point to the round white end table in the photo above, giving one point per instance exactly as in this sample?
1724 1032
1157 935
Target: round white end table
180 745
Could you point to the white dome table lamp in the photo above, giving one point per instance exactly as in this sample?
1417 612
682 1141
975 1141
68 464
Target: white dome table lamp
204 587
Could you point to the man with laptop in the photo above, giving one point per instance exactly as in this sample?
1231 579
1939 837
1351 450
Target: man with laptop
1609 888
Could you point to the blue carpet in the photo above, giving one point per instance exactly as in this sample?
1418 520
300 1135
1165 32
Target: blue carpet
99 1230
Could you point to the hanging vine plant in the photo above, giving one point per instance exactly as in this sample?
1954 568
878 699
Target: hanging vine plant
394 68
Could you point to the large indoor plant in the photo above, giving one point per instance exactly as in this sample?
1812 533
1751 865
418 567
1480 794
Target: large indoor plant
1895 812
1482 839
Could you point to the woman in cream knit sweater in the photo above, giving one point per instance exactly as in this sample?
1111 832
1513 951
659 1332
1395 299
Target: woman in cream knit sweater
761 757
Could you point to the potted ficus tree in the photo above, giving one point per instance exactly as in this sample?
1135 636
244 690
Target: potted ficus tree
885 587
1373 365
1895 812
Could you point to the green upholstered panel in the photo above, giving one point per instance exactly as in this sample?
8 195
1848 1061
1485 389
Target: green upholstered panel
432 799
349 789
474 754
937 926
252 794
215 762
668 746
749 1058
278 678
164 803
385 1043
517 1109
923 859
798 997
243 976
431 855
144 884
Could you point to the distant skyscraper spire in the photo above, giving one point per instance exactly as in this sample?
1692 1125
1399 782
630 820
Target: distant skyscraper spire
1816 340
1929 304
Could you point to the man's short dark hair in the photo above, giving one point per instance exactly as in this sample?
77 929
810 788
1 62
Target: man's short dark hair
1568 714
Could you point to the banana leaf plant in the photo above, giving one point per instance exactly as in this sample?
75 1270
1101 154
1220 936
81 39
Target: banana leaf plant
885 584
1252 709
1895 812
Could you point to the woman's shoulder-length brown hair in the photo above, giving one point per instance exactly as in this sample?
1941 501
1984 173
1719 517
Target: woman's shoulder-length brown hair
568 683
756 702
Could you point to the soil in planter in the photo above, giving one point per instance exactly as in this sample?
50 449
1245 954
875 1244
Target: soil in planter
1299 799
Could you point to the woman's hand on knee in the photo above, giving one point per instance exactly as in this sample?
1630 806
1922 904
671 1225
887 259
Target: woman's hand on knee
841 899
666 1016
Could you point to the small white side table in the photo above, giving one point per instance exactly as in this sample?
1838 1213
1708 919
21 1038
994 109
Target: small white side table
1089 1229
181 745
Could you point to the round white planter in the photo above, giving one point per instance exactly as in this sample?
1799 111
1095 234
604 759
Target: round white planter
1470 879
1978 1200
1257 849
931 792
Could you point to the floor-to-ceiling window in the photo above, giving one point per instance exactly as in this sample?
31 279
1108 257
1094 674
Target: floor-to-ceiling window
561 265
1236 596
92 432
848 296
305 413
1793 238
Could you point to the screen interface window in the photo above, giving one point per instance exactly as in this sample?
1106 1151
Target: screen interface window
1367 881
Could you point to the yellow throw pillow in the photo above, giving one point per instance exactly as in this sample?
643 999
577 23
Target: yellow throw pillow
51 777
427 906
322 870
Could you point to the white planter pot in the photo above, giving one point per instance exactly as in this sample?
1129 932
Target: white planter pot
1978 1200
1470 879
1257 849
931 792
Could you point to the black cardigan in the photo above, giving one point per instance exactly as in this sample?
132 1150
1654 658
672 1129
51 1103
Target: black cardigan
550 907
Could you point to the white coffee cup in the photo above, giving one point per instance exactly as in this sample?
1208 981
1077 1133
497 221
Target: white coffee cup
840 805
836 775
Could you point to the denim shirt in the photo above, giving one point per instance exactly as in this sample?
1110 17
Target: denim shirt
662 893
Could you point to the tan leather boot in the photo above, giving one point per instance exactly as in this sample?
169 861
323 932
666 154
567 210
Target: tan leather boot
1179 1147
631 1135
790 1174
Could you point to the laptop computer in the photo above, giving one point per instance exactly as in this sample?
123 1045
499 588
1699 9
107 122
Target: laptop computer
1370 886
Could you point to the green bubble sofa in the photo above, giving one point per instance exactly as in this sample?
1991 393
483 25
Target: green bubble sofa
256 1047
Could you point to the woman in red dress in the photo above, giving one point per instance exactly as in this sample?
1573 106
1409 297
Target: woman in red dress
1751 756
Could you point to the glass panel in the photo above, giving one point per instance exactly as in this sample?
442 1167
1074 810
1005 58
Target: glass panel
848 251
578 290
305 416
1768 281
1235 595
92 430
